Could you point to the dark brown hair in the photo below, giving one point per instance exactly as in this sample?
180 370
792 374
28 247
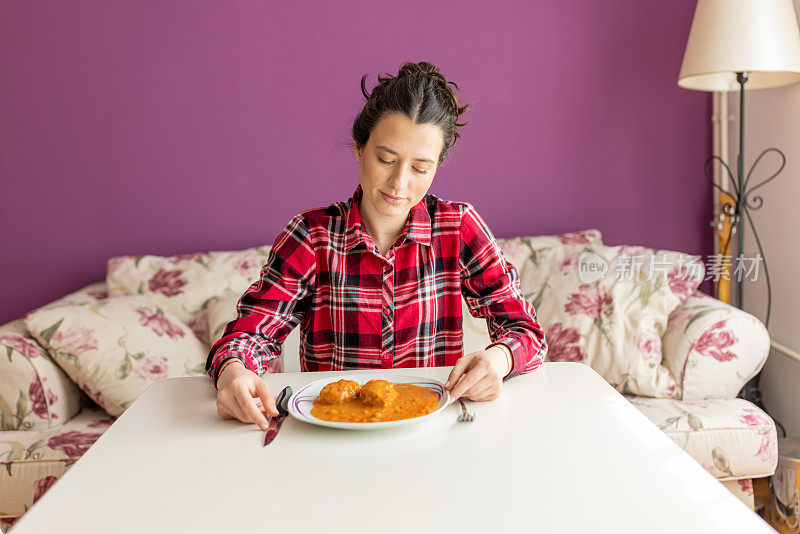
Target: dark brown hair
421 93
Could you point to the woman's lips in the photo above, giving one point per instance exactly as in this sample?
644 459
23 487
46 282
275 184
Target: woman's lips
392 200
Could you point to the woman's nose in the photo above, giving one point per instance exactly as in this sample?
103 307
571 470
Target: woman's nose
399 178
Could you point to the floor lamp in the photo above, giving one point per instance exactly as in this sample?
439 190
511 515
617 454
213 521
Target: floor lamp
741 45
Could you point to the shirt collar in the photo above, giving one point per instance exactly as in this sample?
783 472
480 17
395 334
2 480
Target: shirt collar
417 227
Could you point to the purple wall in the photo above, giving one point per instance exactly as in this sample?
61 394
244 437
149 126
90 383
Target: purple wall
164 127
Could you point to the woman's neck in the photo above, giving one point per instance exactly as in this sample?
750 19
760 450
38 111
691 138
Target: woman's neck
383 231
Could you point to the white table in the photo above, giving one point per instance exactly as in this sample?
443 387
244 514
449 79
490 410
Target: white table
559 451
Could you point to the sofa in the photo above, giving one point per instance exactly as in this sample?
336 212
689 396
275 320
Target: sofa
69 368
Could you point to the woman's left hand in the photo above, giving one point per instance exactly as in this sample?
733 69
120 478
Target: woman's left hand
481 375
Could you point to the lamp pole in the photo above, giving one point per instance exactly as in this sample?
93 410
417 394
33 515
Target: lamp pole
741 77
743 202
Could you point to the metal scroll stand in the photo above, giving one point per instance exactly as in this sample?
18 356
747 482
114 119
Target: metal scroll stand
742 205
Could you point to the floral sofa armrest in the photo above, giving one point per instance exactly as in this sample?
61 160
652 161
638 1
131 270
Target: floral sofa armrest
35 393
712 348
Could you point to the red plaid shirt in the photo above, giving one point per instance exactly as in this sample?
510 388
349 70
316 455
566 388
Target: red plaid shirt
359 309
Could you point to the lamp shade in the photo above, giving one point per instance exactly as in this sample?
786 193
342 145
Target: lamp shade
760 37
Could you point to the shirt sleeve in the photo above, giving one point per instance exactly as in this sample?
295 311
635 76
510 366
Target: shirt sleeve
491 289
272 306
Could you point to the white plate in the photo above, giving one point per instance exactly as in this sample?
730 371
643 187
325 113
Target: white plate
301 403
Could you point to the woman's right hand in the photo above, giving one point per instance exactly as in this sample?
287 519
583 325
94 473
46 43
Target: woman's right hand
237 391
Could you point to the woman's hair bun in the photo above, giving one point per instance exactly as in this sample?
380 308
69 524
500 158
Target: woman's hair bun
420 92
423 67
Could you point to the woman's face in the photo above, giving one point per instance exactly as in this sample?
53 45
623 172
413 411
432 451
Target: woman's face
397 166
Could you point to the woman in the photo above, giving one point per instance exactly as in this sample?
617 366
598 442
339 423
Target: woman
376 281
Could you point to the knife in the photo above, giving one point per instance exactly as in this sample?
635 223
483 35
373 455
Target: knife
281 403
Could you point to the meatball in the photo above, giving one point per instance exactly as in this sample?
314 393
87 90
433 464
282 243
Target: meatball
339 392
377 393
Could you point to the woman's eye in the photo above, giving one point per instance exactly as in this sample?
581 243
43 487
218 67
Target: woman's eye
390 162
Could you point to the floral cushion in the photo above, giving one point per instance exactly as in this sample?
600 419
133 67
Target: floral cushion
730 438
34 392
90 293
222 310
608 307
32 461
519 250
114 348
712 348
184 284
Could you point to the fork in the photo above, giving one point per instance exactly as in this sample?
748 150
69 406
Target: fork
465 416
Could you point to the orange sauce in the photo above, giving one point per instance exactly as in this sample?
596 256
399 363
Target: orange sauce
401 401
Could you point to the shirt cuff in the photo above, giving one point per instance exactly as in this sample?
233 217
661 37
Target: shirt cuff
247 349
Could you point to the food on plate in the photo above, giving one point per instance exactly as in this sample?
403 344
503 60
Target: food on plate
340 391
377 393
377 400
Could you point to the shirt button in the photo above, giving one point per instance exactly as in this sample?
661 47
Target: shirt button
386 356
387 312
